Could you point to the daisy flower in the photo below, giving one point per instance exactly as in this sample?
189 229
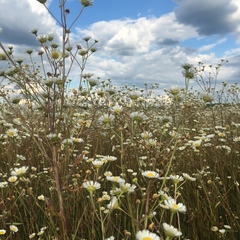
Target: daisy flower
41 198
207 97
19 171
97 163
174 90
3 184
110 238
173 206
115 179
32 235
109 158
150 174
146 135
2 231
146 235
12 179
176 178
171 231
113 203
106 119
12 132
138 117
117 109
188 177
13 228
127 187
91 186
134 95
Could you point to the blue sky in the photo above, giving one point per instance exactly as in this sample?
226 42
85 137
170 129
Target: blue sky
139 41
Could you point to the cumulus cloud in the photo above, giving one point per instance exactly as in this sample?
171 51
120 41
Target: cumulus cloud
208 17
147 49
18 19
137 36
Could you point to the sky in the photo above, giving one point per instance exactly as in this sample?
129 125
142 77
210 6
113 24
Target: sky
138 41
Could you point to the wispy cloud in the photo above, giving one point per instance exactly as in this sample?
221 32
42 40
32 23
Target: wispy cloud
211 46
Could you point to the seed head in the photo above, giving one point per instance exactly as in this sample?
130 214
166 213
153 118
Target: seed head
86 3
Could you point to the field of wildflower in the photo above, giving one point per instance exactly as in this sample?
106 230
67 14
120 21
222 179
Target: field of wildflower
97 162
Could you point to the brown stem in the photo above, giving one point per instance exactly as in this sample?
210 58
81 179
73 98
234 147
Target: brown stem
59 192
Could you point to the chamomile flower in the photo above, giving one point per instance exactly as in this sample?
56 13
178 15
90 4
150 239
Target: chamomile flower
117 109
188 177
55 55
3 184
150 174
108 174
2 231
134 95
12 179
236 139
171 204
127 187
147 235
207 97
115 179
97 163
222 231
196 143
214 228
138 117
106 119
174 90
12 132
171 231
113 203
19 171
13 228
32 235
41 197
176 178
91 186
110 238
109 158
146 135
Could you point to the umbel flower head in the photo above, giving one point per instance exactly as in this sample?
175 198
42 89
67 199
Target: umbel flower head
86 3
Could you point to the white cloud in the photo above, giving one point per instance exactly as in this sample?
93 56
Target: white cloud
20 18
131 51
211 46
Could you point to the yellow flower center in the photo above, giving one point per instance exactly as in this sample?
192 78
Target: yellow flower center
55 55
147 238
150 174
115 178
175 206
10 134
206 99
175 92
2 232
12 179
91 189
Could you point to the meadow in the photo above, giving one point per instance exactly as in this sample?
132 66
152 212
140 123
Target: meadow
98 162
